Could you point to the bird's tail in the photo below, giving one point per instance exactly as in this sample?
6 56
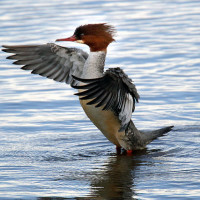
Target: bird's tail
152 135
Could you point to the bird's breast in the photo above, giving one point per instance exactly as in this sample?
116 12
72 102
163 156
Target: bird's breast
104 120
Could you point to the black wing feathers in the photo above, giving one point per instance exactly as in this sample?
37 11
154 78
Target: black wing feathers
114 91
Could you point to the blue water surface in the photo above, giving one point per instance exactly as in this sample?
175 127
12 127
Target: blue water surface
48 147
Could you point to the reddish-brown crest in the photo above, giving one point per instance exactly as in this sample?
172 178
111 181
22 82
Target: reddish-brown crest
96 36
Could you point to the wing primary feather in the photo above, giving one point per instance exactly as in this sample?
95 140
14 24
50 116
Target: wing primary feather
53 69
86 86
23 57
106 98
50 68
59 76
26 62
97 99
31 66
35 58
103 100
43 67
108 102
112 102
87 92
91 94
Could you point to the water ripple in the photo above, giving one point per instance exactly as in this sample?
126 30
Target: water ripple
48 147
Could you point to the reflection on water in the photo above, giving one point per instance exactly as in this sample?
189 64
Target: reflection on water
129 177
117 179
114 181
48 147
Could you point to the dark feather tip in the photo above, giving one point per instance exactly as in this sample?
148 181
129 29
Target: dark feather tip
5 50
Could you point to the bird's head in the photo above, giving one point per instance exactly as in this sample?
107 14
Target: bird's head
96 36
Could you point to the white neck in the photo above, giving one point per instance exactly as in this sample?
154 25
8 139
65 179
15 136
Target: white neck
94 65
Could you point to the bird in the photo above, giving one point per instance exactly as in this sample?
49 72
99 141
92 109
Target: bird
108 97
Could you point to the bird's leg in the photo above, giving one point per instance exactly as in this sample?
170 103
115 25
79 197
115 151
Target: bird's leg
129 152
118 150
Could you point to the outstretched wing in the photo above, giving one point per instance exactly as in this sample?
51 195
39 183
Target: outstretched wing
49 60
114 91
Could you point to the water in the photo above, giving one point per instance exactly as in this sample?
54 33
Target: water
48 147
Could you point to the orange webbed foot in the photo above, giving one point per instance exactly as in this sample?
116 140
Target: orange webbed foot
129 152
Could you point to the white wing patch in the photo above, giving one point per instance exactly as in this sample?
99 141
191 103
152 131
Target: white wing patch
126 112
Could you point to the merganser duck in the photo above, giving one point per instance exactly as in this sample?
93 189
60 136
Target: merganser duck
108 98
